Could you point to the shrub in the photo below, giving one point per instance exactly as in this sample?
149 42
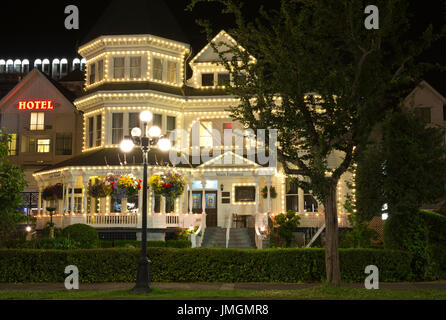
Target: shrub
204 265
86 236
178 244
150 244
284 226
423 234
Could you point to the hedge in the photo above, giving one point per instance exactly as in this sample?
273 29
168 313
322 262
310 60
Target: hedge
199 265
150 244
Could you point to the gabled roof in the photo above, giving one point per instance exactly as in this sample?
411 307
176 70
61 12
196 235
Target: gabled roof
134 17
425 85
228 159
67 94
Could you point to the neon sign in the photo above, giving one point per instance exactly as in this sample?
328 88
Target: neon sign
36 105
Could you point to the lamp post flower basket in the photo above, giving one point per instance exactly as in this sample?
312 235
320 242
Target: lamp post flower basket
273 192
169 184
54 192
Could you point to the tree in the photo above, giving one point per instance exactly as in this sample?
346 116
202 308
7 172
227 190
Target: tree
320 47
12 183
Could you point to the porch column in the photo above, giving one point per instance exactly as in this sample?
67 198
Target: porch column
163 205
268 185
190 198
257 194
140 201
66 196
203 197
84 194
153 201
73 181
39 202
301 200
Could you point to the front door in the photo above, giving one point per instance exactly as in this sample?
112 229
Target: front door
211 206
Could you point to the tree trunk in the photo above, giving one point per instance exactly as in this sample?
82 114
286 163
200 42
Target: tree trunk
332 267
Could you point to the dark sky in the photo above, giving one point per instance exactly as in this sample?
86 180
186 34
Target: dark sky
36 29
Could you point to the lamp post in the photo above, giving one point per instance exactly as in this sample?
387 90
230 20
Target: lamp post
144 139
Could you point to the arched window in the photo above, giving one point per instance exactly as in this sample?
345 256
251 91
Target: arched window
76 64
38 64
2 66
25 66
63 67
55 69
46 66
9 66
83 63
17 66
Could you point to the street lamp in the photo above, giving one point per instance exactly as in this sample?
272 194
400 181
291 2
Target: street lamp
144 139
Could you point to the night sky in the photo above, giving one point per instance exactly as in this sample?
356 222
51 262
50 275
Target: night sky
36 30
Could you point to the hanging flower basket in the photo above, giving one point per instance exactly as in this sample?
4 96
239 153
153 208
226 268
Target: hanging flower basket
169 184
121 187
54 192
96 190
273 192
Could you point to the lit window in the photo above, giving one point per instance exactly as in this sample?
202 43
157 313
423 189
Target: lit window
171 126
101 70
157 69
172 72
92 70
206 134
207 79
43 145
133 121
12 145
310 203
37 121
158 120
135 67
117 128
292 196
118 68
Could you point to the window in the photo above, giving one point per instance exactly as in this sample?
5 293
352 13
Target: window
171 126
172 71
12 145
310 204
158 120
117 128
101 70
223 79
206 134
43 145
118 68
133 121
90 132
64 144
424 114
37 121
98 130
444 112
135 67
92 70
207 79
157 69
292 198
245 194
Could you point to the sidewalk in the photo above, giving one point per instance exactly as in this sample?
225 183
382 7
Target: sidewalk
436 285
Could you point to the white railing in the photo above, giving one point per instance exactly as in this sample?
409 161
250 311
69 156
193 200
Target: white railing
228 228
172 220
112 220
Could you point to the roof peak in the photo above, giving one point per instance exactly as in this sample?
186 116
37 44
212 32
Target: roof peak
134 17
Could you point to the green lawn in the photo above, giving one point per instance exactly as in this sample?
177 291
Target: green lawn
320 292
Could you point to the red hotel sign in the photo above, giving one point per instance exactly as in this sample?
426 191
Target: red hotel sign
36 105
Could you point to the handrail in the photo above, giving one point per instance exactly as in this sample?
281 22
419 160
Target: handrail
316 235
228 228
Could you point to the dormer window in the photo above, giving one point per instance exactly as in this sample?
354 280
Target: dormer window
157 69
118 68
223 79
92 70
207 79
135 67
172 71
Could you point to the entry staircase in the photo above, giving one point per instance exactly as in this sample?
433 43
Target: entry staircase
215 237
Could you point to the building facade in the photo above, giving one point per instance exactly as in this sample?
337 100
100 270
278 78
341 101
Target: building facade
44 124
